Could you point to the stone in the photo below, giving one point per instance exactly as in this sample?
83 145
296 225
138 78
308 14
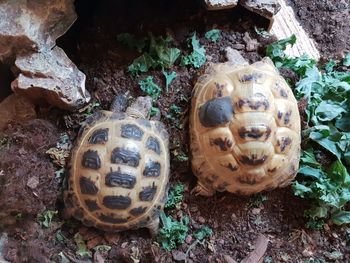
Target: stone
265 8
15 107
234 57
33 182
30 26
228 259
251 44
220 4
52 77
179 255
3 241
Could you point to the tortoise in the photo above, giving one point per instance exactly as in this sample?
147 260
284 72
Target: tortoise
244 128
119 169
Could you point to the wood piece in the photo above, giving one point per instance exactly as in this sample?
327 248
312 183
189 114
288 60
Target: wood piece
285 24
257 255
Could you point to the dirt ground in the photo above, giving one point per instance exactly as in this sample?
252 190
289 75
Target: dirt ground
327 22
236 221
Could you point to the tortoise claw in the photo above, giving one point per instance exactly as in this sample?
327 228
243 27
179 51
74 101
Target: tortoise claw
202 190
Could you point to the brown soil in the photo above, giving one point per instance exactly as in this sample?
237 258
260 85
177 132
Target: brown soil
236 221
327 22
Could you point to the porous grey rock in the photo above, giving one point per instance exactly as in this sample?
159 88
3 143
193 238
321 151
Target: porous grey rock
220 4
3 241
234 57
265 8
52 77
28 26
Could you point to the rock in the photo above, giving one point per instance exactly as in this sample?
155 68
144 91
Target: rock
15 107
201 219
33 182
238 46
52 77
31 26
188 239
228 259
220 4
234 57
179 255
265 8
3 241
251 44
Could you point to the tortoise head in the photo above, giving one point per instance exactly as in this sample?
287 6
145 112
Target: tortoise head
140 108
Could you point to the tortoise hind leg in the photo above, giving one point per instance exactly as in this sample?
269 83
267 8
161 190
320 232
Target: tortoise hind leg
153 227
202 190
67 212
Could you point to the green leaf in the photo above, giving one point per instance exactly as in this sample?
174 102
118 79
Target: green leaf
175 196
339 173
60 237
343 123
172 233
142 64
168 56
213 35
82 250
150 88
300 189
346 60
330 65
341 217
310 172
202 233
308 158
46 217
169 77
275 50
328 110
326 143
197 58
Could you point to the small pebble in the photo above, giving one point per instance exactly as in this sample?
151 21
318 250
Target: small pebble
228 259
189 239
179 255
238 46
201 219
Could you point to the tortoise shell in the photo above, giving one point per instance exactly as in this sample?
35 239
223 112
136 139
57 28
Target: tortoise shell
118 172
244 129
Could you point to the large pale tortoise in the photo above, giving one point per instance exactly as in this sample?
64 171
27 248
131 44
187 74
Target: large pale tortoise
244 128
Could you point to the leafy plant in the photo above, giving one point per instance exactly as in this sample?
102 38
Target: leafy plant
173 232
82 250
213 35
197 58
175 196
148 86
173 115
45 218
327 94
169 77
158 54
202 233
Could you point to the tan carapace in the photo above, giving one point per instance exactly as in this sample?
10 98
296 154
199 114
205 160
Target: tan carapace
119 169
244 128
